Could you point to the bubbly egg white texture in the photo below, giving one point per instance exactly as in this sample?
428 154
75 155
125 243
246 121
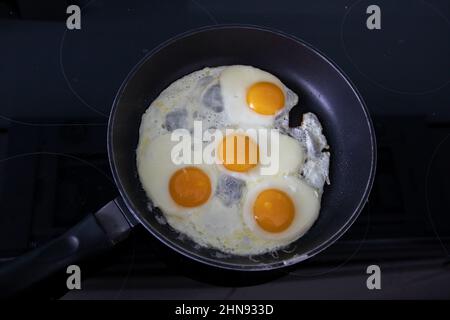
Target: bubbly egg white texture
225 221
196 96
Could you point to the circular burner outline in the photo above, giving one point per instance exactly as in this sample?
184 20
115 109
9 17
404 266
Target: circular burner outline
343 263
63 71
377 83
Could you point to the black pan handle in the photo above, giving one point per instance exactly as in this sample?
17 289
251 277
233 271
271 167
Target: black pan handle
94 234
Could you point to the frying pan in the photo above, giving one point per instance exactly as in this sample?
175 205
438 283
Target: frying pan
322 88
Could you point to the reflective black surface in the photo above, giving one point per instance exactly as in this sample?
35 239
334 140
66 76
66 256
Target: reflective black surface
58 86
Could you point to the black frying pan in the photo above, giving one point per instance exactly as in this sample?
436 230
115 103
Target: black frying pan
322 88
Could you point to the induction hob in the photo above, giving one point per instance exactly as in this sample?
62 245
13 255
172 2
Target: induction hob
58 86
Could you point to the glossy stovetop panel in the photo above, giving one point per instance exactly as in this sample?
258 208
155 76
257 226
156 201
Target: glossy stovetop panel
58 86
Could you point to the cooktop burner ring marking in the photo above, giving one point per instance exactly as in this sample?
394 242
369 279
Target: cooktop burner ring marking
427 200
378 83
63 70
343 263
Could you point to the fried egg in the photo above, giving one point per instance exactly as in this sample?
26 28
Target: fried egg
250 226
232 205
280 208
245 156
254 97
177 189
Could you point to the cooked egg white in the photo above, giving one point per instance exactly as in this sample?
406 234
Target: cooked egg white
158 175
231 206
195 96
252 96
285 153
287 208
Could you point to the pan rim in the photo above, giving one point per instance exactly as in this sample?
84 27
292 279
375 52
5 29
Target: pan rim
216 262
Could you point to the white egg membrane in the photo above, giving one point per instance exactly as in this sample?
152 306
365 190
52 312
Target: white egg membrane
197 96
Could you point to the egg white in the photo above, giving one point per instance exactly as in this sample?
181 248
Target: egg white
306 202
185 97
235 81
207 95
290 157
155 168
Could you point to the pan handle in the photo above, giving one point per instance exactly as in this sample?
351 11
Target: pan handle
94 234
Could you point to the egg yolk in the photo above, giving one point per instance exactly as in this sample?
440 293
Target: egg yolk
190 187
238 152
273 210
265 98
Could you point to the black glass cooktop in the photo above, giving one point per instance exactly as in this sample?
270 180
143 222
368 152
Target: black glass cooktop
57 87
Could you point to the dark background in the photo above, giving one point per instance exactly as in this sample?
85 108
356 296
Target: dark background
57 87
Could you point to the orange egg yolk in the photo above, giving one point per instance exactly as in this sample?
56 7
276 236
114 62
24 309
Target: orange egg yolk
190 187
265 98
273 210
238 152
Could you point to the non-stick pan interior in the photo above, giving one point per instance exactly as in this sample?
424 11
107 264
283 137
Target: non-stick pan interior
322 89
